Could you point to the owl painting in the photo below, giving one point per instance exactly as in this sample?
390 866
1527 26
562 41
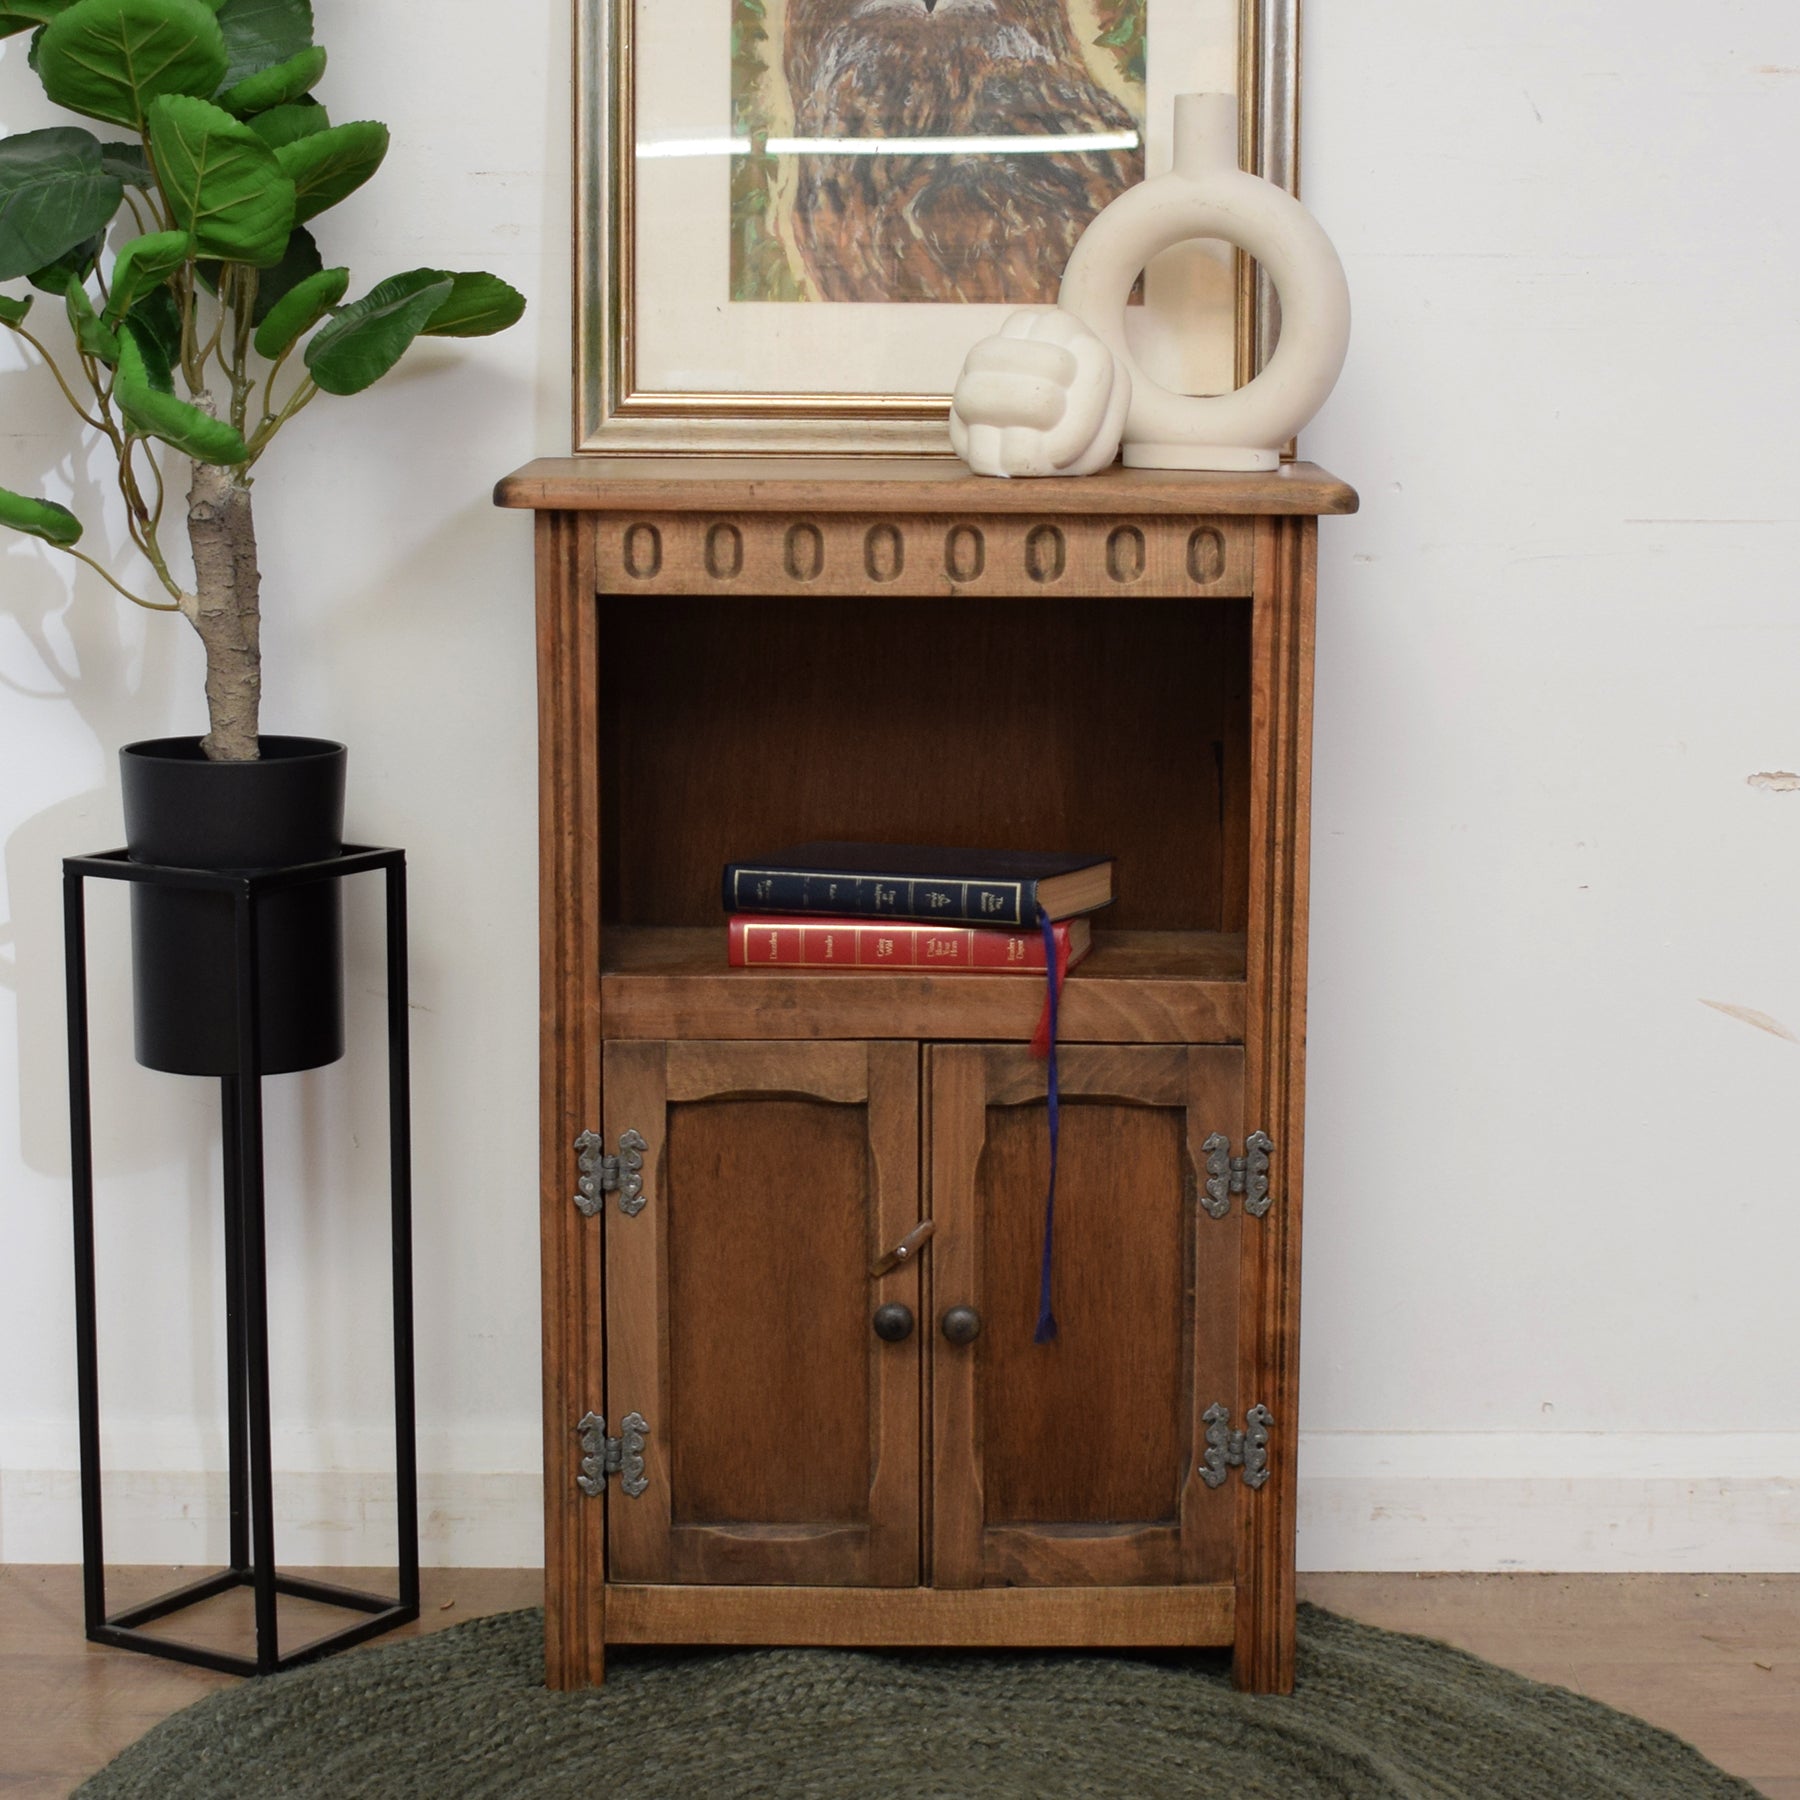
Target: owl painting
948 224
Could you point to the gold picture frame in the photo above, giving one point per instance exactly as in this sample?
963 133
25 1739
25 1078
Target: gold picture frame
615 414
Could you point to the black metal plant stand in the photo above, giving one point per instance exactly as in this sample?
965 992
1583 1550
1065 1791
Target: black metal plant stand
247 1314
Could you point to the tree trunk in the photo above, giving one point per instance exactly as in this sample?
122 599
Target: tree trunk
224 609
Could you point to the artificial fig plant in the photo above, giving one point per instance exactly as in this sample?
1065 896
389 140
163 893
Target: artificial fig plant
201 318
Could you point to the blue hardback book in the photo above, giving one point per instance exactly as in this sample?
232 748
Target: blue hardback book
918 881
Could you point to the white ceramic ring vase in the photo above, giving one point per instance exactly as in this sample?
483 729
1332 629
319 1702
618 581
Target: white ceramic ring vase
1206 195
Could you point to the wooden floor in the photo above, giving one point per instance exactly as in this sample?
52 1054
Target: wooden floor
1715 1659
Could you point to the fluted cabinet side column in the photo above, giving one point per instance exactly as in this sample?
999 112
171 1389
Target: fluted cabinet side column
1275 1085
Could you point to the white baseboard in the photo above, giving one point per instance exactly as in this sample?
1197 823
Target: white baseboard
1564 1501
343 1520
481 1496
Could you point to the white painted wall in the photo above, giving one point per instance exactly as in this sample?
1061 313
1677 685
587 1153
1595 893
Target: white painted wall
1551 1193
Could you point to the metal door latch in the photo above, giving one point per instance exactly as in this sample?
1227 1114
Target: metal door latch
601 1174
602 1456
1227 1449
1247 1174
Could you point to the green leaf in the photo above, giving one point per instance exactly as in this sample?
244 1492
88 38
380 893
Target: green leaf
279 86
129 163
300 261
261 33
330 165
149 370
156 324
479 305
54 195
13 312
39 518
152 412
159 354
222 181
111 58
369 336
144 263
299 310
27 15
92 334
288 124
53 278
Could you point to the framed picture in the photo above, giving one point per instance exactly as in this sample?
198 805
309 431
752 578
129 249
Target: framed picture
795 216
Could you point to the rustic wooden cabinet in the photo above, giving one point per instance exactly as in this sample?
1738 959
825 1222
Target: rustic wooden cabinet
791 1220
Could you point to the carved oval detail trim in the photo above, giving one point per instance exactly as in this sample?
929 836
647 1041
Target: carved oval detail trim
1125 553
803 551
1046 553
965 553
643 551
724 552
884 552
1206 553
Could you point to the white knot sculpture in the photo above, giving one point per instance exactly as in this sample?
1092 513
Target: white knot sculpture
1205 195
1044 397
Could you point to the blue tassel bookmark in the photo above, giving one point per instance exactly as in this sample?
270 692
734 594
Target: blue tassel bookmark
1046 1320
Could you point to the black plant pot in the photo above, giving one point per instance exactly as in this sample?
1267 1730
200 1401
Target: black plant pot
183 810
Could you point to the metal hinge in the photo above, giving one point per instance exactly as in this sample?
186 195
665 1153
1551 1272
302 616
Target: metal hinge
1247 1174
602 1174
1227 1449
602 1456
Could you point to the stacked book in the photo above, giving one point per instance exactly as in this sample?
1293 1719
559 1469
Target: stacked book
912 907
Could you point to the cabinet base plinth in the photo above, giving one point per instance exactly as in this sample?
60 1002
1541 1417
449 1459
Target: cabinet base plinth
923 1618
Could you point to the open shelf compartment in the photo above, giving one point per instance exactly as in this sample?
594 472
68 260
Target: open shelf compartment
731 727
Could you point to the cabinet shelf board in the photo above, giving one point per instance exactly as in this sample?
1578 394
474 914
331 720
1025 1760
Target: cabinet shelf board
1134 987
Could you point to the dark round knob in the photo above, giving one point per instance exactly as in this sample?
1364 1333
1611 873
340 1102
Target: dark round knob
893 1322
961 1324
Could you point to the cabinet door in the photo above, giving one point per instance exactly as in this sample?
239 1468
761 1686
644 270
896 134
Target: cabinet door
1077 1461
782 1440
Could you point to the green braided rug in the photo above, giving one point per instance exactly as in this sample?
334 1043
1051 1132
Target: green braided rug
464 1713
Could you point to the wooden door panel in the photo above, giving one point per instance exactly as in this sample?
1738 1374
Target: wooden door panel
1076 1462
784 1444
1123 1248
801 1267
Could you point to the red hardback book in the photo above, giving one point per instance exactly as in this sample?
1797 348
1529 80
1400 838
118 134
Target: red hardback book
759 941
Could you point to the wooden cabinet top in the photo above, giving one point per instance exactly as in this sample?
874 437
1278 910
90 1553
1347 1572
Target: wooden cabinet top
910 485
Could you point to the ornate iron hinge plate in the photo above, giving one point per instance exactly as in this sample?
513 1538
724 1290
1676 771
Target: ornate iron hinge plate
1247 1174
601 1174
602 1456
1227 1449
